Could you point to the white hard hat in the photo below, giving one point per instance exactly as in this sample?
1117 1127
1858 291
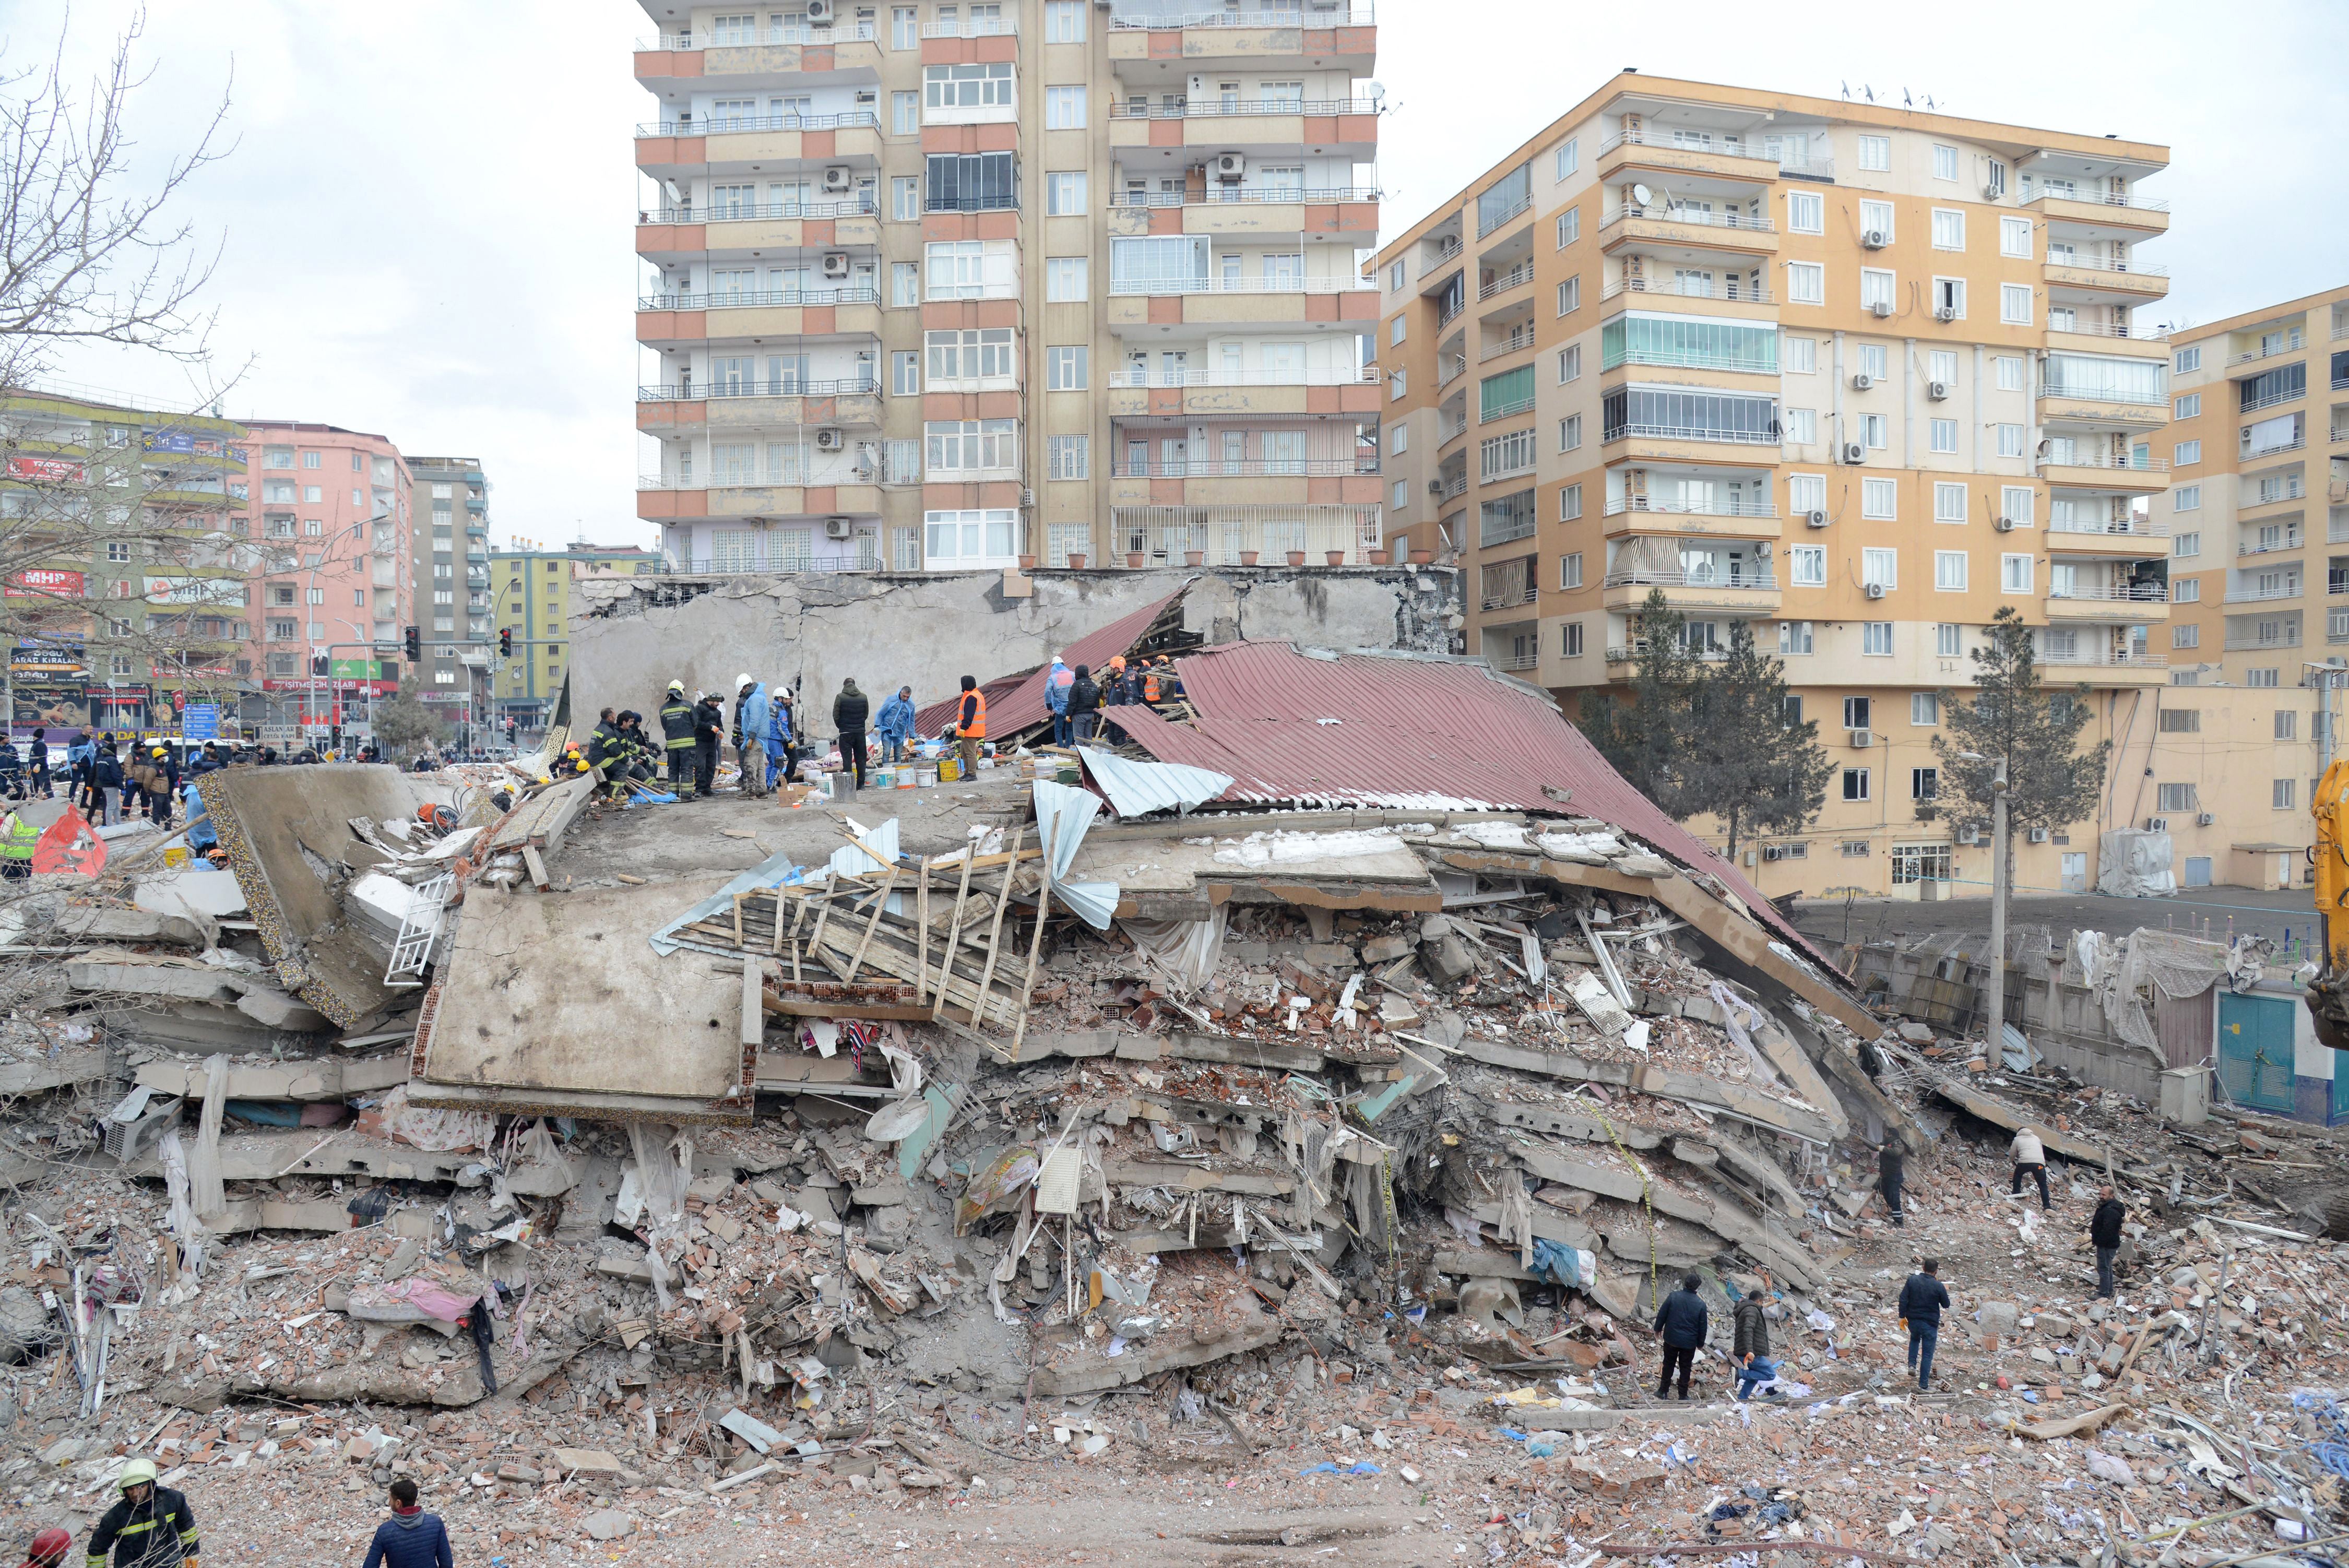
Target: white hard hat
742 681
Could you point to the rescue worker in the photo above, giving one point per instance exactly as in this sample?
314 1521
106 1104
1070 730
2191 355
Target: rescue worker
676 736
39 763
970 724
782 754
896 725
411 1538
1084 706
2030 1160
152 1527
17 837
604 741
1170 680
850 710
750 717
1115 693
1148 675
709 729
12 773
1681 1325
1056 682
103 789
48 1549
201 837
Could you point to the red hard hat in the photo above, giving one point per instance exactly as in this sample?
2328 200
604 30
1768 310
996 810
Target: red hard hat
50 1546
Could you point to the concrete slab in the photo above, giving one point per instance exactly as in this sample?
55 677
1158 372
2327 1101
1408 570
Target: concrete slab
190 892
555 1005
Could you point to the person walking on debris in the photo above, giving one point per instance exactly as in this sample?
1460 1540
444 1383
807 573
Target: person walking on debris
850 711
1084 706
2031 1156
709 729
1891 1174
1751 1347
1681 1321
1056 682
677 739
411 1538
970 724
750 705
1923 1299
2105 1235
896 725
150 1527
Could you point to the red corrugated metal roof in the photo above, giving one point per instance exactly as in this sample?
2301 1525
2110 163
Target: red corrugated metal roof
1361 729
1022 703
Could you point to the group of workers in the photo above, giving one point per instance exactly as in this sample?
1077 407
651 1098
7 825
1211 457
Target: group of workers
150 1525
1078 698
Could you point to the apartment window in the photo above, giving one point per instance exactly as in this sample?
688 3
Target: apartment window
2185 591
1809 566
1569 227
968 269
277 457
2281 793
1807 283
1943 434
1795 637
314 495
1875 218
906 374
1942 365
1570 570
2014 504
1395 278
1875 638
1869 361
1568 157
2015 237
1798 355
1071 456
1807 493
2184 637
1855 783
1876 286
904 283
1570 363
2187 406
1950 570
904 31
2009 372
1876 153
1858 713
1395 330
2181 720
2015 573
1949 640
2186 497
1805 212
1064 368
970 535
2186 360
1569 433
1401 495
905 199
2287 724
1510 517
973 183
1064 108
906 114
310 460
2010 440
1950 295
1872 431
1924 708
1397 384
2173 797
1500 455
1924 783
972 445
1069 278
312 527
1949 229
2186 454
1398 439
2263 678
1879 567
2015 304
1880 499
1573 639
1801 426
1569 502
1949 501
1064 21
1945 161
983 85
1569 296
1064 193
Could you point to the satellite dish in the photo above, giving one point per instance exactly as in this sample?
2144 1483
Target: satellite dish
1640 194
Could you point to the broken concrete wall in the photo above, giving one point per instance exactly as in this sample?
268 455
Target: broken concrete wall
631 636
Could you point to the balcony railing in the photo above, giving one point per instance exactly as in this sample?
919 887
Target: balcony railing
2295 344
1516 594
2115 593
1247 467
2270 495
748 38
2101 198
1333 376
1450 247
1516 277
1689 433
2107 659
1749 222
1623 654
1512 343
2253 642
722 124
2111 329
1355 14
1691 361
2106 264
1219 108
2132 464
2136 528
1725 288
1450 312
2297 444
2292 589
752 211
1275 285
746 298
2106 392
1457 485
1222 533
1451 367
1622 505
1502 219
1758 582
733 566
993 25
856 385
2293 539
2271 399
1244 195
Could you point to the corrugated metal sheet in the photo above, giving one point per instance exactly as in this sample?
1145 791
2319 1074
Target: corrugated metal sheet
1137 789
1360 730
1022 699
1062 815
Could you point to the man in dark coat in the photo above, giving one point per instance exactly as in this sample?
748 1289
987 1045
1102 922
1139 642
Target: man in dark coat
1681 1324
709 729
1890 1176
2104 1232
411 1538
1923 1299
850 710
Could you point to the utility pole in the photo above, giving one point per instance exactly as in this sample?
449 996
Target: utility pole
2327 679
1994 1038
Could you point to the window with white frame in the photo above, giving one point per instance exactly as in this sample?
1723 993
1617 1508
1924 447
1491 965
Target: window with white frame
1869 359
1875 218
1950 570
1569 433
1402 499
2009 367
1569 296
2185 591
1942 365
948 89
2185 454
2015 237
1569 502
1397 384
1569 227
1945 161
2184 637
1395 330
1069 278
1500 455
1875 639
1064 108
906 374
1924 708
1807 283
1395 276
1949 640
1808 567
1573 642
2186 406
1879 567
1855 783
1942 435
904 283
1064 367
959 357
2186 497
974 535
1568 158
2015 304
1064 21
1950 295
2015 573
1876 153
1949 229
905 199
968 269
1064 193
1807 493
1798 355
2010 440
1801 426
1949 503
2280 793
906 114
2015 504
1796 637
1398 439
1570 570
972 446
1872 431
1570 363
1807 212
1876 287
2186 360
1070 457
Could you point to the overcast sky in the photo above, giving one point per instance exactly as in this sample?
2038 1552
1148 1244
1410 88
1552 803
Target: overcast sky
428 217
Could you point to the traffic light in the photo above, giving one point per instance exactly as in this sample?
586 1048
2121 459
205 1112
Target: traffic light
413 645
506 642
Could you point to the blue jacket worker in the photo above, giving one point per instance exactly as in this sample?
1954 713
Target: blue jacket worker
896 725
752 709
1682 1323
411 1538
782 756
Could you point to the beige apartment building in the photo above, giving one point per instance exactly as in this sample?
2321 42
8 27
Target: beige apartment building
2258 517
1856 375
957 286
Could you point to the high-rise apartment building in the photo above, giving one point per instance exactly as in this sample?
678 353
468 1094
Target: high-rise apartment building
939 287
2257 506
449 557
531 590
1853 374
331 582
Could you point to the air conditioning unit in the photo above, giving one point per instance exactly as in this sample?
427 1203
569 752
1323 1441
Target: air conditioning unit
1945 313
1853 452
1875 590
2038 835
2005 525
1861 739
1991 193
1939 391
1969 836
837 178
1816 518
836 528
1435 487
819 10
1231 166
1881 309
828 441
2157 824
835 263
1875 239
1862 382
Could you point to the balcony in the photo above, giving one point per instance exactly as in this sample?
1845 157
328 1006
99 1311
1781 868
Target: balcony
1670 152
1752 592
2293 343
2293 489
1240 302
2102 470
1501 220
1335 389
738 229
1714 291
2293 539
2107 281
1637 515
1451 489
2292 587
2261 642
992 25
1341 128
769 144
1233 211
680 318
2118 337
781 34
1683 443
853 403
2112 668
2139 540
1516 277
1515 342
1225 535
1243 468
1729 230
2123 602
1338 35
2103 211
755 299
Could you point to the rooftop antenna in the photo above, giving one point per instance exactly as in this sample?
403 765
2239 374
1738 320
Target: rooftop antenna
1905 101
1846 92
1868 90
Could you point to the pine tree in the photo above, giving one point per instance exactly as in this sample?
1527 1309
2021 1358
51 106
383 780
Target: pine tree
404 725
1746 761
2051 782
1645 734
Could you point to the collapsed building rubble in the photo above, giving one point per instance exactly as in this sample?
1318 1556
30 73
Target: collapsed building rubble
1339 1072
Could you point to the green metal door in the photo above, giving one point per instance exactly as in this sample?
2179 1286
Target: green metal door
2255 1050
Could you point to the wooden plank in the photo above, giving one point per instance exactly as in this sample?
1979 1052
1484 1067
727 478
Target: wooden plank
754 1016
879 904
1035 947
1002 903
922 932
893 954
536 864
954 924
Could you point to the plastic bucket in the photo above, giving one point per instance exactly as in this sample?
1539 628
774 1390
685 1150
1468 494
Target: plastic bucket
949 769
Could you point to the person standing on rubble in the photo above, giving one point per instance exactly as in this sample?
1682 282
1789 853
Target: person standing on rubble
750 705
1084 706
850 711
411 1538
2030 1155
1923 1299
970 724
1751 1349
894 725
1680 1321
782 752
2105 1235
1891 1175
1056 682
677 737
150 1527
709 729
37 763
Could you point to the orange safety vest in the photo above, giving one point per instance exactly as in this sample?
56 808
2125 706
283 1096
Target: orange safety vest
1149 687
977 728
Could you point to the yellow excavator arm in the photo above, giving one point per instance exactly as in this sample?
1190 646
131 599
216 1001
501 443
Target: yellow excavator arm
2328 995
